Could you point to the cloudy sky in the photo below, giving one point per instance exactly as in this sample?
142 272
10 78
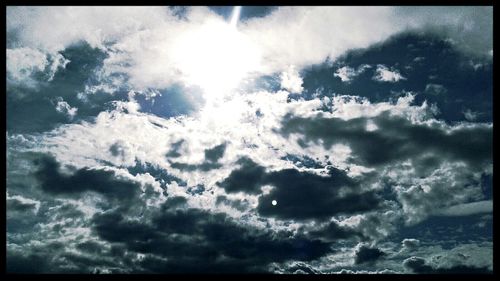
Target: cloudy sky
260 139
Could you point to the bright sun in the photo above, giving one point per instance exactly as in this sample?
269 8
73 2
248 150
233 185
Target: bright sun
216 57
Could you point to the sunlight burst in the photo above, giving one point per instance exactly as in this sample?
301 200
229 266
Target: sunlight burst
216 57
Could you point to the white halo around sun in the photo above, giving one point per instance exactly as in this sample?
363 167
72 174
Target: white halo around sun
216 57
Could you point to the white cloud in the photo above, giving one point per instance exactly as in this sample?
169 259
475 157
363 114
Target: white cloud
422 196
308 35
54 28
291 80
141 41
470 115
470 27
384 74
23 62
65 108
347 73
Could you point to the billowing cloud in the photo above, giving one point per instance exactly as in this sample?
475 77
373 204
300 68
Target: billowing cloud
181 239
23 64
291 81
384 74
165 140
287 36
366 254
326 195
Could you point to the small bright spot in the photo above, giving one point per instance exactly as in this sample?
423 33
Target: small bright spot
274 202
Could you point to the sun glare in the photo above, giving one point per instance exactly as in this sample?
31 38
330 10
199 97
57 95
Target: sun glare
216 57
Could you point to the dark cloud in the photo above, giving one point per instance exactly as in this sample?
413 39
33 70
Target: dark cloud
366 254
117 149
90 247
212 155
174 150
305 161
299 195
215 153
241 205
25 263
395 139
302 195
449 230
179 239
333 232
14 204
419 265
248 178
205 166
159 173
197 189
301 268
104 182
53 257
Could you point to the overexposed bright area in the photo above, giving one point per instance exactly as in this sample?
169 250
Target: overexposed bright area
215 56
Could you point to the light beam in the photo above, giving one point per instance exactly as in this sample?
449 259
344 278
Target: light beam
235 16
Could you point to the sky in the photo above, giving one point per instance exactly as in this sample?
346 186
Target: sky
285 140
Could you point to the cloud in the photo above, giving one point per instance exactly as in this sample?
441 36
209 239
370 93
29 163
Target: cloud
179 240
471 115
265 171
212 156
248 178
470 28
326 195
418 265
395 139
410 243
426 160
26 264
366 254
146 178
384 74
467 209
22 204
66 109
28 66
101 181
332 231
291 81
287 36
347 73
215 153
435 89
